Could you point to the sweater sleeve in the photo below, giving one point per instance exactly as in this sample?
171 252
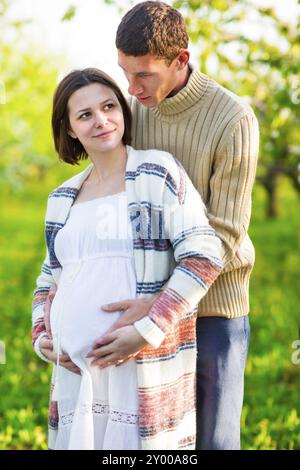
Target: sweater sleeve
43 284
231 184
197 252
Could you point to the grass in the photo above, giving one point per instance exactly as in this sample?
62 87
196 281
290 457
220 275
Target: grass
270 418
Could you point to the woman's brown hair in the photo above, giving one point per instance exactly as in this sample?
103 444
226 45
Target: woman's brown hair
71 150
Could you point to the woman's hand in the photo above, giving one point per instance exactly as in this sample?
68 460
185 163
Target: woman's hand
116 347
46 347
47 309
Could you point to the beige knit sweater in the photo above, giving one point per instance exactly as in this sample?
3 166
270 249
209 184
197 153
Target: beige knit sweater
215 135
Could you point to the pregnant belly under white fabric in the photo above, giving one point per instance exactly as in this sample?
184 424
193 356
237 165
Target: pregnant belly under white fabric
77 319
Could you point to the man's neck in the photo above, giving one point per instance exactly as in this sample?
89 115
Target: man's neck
186 72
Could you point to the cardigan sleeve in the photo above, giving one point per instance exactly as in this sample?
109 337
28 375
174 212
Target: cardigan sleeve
231 184
197 252
44 282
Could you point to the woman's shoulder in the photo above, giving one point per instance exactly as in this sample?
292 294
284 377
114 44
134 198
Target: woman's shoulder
156 170
157 160
71 185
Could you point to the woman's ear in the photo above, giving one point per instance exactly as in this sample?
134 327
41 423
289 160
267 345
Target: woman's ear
71 133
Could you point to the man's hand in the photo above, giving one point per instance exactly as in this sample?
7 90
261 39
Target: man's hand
47 308
133 310
46 347
114 348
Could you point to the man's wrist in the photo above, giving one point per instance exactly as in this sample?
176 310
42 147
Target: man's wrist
149 331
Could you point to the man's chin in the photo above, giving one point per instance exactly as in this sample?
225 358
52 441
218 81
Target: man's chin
148 102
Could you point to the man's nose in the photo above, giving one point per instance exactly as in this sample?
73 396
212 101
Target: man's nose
134 88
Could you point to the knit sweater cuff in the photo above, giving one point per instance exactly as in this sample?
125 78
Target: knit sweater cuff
150 331
37 347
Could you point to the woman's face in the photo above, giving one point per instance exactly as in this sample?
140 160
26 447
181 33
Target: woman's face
96 118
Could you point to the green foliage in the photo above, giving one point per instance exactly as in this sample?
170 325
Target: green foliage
70 13
24 378
271 408
26 148
28 77
235 49
271 413
266 73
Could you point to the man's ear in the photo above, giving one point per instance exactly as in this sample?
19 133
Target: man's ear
183 59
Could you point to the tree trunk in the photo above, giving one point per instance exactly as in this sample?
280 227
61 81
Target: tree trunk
271 185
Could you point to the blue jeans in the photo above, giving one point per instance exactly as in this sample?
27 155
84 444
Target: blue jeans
222 351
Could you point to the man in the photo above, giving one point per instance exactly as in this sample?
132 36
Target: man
215 136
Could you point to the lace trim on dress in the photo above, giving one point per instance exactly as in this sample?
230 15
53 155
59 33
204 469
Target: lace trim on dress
103 409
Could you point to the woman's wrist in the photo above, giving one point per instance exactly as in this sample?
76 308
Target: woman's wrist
37 347
154 298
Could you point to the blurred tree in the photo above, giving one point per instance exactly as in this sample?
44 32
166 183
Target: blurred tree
245 47
26 142
27 80
252 51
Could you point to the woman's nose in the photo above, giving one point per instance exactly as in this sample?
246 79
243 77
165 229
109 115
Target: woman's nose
100 119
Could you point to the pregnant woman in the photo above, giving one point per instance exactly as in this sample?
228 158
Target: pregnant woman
131 224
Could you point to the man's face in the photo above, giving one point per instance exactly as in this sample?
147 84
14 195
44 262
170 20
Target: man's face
150 79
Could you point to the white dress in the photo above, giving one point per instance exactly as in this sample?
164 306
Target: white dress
99 409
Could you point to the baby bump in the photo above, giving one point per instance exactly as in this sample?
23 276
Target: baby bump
77 318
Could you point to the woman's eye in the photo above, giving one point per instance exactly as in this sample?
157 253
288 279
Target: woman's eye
109 106
84 115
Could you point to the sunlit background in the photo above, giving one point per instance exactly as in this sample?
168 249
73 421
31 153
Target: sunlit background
89 39
251 47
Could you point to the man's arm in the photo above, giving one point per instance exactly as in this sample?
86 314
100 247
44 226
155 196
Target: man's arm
231 185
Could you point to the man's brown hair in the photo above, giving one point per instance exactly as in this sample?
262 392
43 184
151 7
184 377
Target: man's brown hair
152 28
71 150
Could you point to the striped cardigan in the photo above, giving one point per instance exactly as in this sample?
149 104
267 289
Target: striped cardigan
174 249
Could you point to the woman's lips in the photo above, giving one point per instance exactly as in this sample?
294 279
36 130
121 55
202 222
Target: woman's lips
104 134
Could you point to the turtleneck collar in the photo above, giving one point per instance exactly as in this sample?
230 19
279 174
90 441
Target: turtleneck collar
185 100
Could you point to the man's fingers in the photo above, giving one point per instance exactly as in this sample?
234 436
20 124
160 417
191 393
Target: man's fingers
118 324
126 359
104 340
108 360
101 352
115 306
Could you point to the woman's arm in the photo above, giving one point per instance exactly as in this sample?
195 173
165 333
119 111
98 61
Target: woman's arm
44 283
197 250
